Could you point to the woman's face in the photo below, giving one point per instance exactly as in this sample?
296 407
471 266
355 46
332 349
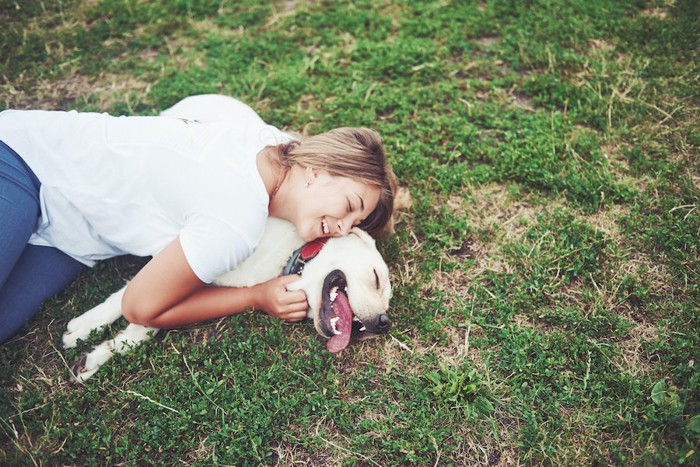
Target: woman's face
330 206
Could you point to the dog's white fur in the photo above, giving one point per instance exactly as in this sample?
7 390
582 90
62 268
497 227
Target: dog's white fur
356 255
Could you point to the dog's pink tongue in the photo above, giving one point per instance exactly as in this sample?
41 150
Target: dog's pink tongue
342 310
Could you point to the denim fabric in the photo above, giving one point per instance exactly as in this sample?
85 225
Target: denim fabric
29 274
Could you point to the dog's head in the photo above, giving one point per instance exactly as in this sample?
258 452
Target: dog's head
348 289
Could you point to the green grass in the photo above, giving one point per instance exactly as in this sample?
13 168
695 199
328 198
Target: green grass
546 278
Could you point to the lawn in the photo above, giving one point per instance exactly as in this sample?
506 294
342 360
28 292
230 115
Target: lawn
546 277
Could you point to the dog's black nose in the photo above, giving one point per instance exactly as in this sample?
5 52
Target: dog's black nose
383 323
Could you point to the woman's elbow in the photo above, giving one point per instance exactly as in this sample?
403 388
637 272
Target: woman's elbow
137 311
135 315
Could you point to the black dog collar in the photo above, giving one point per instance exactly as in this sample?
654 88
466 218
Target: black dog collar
307 252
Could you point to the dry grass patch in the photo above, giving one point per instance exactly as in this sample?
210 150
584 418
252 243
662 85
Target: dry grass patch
659 13
208 27
521 101
60 93
290 454
479 445
456 285
44 94
601 296
600 45
503 219
183 54
574 438
288 8
203 452
491 207
607 221
337 450
607 296
493 210
633 360
117 88
456 349
655 273
325 431
628 88
476 449
619 166
488 41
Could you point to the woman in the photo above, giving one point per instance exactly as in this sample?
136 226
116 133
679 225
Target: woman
79 187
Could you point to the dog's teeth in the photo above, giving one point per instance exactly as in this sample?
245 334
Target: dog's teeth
355 318
333 294
363 329
333 322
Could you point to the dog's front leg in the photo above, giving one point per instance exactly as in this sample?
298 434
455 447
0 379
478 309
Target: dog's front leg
105 313
131 336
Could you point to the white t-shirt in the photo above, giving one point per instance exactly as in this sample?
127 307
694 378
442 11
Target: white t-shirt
131 185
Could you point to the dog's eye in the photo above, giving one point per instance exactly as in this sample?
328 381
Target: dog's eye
376 278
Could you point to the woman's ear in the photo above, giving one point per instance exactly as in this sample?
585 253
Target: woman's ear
313 175
310 176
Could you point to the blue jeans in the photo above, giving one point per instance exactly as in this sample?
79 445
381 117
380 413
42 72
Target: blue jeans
29 274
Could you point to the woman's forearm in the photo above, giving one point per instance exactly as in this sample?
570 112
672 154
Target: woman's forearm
272 297
204 304
166 293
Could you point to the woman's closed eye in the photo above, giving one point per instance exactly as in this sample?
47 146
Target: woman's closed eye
351 207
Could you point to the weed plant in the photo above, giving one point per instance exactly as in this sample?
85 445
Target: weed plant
546 278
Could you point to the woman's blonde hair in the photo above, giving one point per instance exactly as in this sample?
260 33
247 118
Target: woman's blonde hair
356 153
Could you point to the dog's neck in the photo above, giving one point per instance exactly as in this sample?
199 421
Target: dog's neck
304 254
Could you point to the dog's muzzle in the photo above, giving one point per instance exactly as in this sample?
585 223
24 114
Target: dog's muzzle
337 320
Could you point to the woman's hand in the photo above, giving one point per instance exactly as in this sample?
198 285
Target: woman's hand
274 299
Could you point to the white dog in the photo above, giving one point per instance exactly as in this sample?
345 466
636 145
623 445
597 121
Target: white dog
345 279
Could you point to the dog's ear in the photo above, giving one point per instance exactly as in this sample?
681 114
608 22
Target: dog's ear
402 200
362 235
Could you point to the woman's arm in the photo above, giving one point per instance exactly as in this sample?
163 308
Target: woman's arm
166 293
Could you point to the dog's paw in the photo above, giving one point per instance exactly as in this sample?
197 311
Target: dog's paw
88 364
71 338
78 328
75 324
78 372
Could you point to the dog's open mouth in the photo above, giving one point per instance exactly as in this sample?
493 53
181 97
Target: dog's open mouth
336 314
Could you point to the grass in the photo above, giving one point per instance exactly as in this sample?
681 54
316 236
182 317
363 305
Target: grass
546 278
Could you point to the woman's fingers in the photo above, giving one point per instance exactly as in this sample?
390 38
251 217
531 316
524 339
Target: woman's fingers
277 300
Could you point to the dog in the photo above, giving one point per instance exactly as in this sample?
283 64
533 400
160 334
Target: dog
345 279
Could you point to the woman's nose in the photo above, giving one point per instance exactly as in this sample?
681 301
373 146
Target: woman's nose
343 228
348 222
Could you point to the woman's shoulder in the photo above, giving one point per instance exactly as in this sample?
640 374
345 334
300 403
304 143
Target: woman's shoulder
213 108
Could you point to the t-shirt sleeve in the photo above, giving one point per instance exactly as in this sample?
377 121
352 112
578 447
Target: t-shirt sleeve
213 248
